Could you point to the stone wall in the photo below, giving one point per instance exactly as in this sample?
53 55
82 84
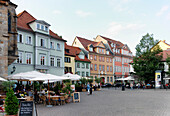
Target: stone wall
8 40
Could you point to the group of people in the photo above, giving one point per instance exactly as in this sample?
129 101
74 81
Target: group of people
89 88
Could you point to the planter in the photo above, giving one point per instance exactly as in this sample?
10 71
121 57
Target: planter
11 115
83 90
98 89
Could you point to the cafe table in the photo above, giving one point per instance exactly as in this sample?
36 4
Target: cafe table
22 99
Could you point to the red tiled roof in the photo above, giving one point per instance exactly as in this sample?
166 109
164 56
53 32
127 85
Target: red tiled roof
85 42
74 51
118 43
24 18
85 59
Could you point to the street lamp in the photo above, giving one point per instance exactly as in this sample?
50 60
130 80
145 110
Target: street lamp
14 68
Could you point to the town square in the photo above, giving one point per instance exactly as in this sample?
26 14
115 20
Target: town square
78 58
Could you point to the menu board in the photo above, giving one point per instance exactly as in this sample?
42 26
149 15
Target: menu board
76 97
26 108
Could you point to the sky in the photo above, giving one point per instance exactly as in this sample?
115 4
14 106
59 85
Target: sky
122 20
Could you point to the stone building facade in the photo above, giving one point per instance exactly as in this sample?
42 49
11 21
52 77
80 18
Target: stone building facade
8 35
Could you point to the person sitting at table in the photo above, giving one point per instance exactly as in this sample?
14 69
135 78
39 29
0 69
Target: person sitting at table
18 94
57 92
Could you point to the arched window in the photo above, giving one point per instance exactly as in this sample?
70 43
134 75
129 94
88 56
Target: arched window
9 21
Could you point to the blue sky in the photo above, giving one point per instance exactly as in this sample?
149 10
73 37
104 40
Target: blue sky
123 20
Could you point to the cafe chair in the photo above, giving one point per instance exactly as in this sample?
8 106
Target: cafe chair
62 100
56 100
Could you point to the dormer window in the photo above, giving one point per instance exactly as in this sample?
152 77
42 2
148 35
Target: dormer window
107 52
42 27
91 49
38 26
46 28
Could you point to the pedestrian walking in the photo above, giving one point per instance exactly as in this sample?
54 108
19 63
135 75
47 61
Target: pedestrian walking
131 86
91 87
88 88
143 86
123 87
138 85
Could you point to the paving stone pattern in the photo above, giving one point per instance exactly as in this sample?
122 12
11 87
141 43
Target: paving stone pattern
111 102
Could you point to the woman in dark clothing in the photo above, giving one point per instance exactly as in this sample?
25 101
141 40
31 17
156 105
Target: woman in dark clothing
91 89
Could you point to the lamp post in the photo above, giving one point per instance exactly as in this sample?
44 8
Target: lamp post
14 68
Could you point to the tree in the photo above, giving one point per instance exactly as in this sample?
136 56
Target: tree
11 103
147 61
168 62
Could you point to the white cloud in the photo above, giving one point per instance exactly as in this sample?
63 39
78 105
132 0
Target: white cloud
57 12
162 10
83 14
118 28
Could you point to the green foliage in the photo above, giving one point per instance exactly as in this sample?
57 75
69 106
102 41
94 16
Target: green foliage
7 85
146 43
83 81
66 81
36 85
90 80
57 87
98 80
147 61
168 62
67 89
11 103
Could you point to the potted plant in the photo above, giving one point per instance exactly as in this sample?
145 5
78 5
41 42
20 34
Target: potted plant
11 103
83 81
98 80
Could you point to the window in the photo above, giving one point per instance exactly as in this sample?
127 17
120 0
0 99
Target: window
9 21
103 51
91 57
28 40
103 68
91 49
100 58
58 62
20 58
111 79
83 66
110 68
67 59
95 67
107 79
107 68
83 75
100 67
42 27
58 46
28 58
52 45
78 65
87 66
111 60
99 50
52 61
103 59
42 62
95 57
38 26
19 39
91 67
107 59
42 42
78 72
87 74
107 52
46 28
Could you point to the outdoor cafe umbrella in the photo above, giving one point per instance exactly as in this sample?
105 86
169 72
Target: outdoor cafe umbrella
2 79
72 76
26 75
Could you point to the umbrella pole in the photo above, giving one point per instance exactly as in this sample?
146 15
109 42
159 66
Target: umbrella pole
49 95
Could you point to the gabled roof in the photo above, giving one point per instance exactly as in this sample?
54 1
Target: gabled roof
85 42
75 51
118 43
24 18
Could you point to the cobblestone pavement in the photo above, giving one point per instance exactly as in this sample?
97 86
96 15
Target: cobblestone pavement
111 102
